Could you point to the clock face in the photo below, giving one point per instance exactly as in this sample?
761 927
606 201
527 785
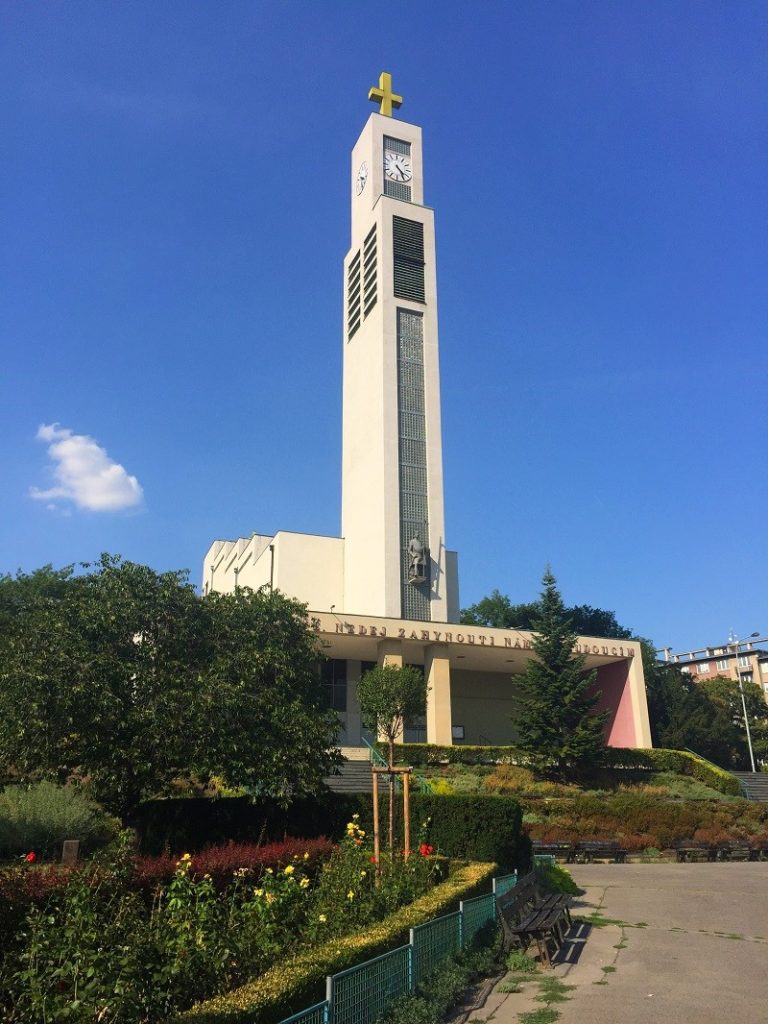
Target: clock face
398 167
362 177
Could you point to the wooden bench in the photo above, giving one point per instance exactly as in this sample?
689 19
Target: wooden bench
589 851
528 914
561 851
735 851
687 853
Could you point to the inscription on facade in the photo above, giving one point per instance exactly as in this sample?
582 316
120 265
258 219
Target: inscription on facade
436 636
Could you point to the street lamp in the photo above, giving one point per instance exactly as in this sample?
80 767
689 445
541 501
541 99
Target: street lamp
733 639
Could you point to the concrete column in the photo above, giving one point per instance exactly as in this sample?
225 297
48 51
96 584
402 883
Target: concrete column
390 652
437 671
636 680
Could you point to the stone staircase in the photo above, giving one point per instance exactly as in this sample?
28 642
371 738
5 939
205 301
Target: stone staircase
756 785
355 772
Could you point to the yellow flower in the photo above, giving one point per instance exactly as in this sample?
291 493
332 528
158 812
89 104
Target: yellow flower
322 919
350 895
186 856
269 871
289 870
363 874
207 877
360 832
258 892
355 817
304 883
306 856
269 897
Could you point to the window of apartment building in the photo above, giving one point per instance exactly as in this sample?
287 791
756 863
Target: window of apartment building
743 661
702 668
722 665
746 677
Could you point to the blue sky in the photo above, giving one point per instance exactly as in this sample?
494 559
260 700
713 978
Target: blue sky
175 207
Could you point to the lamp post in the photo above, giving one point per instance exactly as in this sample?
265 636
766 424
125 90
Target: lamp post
735 641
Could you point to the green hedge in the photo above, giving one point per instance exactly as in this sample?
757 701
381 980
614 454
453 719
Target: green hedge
299 981
680 761
657 760
467 827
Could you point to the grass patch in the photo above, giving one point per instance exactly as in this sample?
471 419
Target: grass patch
553 990
520 963
597 920
620 945
509 986
608 969
542 1016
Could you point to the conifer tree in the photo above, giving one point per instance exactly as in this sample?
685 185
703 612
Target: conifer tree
558 729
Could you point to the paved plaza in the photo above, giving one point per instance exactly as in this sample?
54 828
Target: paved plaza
685 943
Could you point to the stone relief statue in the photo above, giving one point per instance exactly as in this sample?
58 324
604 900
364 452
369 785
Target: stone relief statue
418 555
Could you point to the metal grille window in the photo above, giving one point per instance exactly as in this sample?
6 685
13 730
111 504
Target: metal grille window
369 271
353 296
412 454
397 145
397 190
408 248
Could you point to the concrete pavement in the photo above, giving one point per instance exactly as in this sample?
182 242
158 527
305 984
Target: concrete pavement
677 943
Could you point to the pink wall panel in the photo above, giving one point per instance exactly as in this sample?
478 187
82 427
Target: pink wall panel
612 681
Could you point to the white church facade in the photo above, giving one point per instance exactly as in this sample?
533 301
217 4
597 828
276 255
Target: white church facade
387 590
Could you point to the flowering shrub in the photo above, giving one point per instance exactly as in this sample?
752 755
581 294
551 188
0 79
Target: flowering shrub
354 890
99 951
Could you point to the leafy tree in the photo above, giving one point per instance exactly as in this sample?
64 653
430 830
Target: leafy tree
265 722
558 728
705 717
126 678
497 610
388 697
24 589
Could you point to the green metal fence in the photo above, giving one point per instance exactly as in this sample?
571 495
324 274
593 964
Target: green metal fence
477 915
362 994
433 942
504 883
317 1014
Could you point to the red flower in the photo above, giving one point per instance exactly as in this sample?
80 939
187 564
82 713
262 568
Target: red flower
425 849
372 859
31 857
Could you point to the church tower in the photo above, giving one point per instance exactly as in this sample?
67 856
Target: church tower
395 562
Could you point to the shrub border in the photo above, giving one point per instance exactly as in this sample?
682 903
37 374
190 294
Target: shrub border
300 980
648 759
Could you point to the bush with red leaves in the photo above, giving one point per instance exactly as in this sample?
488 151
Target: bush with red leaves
22 888
221 862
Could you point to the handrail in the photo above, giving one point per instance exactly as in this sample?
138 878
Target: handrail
375 758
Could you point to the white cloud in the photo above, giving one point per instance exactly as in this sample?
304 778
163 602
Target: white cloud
85 474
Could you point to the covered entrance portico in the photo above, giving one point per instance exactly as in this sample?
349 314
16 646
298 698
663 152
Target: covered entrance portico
470 673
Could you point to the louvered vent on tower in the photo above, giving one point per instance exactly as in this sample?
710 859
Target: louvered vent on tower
353 296
408 238
369 271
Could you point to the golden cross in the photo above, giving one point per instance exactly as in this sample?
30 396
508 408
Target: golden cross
384 95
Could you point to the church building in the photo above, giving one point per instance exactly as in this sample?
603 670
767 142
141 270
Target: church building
387 590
